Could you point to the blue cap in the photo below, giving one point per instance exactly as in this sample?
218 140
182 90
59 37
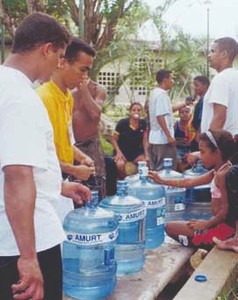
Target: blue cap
200 278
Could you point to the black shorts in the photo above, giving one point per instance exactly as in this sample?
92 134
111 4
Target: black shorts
51 267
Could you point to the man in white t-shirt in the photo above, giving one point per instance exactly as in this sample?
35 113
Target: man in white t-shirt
30 176
162 143
221 100
220 107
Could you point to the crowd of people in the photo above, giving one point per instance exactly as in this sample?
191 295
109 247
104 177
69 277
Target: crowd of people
51 152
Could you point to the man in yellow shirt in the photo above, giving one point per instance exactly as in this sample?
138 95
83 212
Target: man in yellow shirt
57 98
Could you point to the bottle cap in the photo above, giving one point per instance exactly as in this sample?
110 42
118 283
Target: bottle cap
200 278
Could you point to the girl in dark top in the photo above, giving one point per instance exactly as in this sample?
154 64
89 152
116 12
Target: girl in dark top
130 140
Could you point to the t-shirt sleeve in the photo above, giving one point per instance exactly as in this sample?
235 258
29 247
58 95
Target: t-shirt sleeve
22 135
162 105
120 125
219 90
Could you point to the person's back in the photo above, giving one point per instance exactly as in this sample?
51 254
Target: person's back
224 91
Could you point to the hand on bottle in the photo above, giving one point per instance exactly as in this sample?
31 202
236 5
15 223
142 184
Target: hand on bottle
76 191
155 176
193 157
30 285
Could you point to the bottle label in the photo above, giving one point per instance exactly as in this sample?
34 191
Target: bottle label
151 204
160 216
160 221
179 206
92 238
132 216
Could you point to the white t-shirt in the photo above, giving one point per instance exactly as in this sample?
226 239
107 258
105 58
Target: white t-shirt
222 90
26 138
160 105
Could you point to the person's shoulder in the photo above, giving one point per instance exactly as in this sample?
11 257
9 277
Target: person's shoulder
124 121
45 92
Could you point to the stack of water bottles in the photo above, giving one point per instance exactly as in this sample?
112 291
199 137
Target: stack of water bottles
130 245
175 196
89 266
198 198
153 196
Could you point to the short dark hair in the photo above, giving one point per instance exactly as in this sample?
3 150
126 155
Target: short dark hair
37 29
202 79
229 45
162 74
76 46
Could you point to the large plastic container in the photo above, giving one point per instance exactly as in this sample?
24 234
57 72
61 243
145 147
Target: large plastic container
136 177
198 198
175 197
153 195
89 265
130 247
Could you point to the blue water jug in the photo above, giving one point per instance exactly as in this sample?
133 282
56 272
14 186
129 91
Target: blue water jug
130 246
175 197
198 198
136 177
89 266
153 195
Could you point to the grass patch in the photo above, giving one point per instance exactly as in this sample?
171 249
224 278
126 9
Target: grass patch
232 294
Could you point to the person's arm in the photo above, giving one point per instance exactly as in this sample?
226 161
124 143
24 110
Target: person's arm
219 116
119 154
19 197
145 144
177 106
182 182
82 158
81 172
220 213
92 97
76 191
162 123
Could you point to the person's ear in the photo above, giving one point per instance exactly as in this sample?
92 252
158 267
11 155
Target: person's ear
224 54
46 49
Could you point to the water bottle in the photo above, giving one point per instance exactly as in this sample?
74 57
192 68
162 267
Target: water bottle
130 246
198 198
136 177
175 197
89 266
153 195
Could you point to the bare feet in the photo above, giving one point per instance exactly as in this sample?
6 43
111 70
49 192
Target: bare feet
229 244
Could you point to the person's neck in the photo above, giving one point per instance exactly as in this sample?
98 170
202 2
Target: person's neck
58 80
134 122
183 123
23 63
219 164
163 87
225 65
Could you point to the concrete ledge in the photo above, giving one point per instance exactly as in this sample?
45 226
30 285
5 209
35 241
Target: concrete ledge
220 268
160 267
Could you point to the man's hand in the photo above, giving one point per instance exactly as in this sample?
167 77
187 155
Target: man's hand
87 161
76 191
83 172
171 140
30 285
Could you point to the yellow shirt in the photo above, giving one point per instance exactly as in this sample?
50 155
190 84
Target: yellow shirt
59 107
